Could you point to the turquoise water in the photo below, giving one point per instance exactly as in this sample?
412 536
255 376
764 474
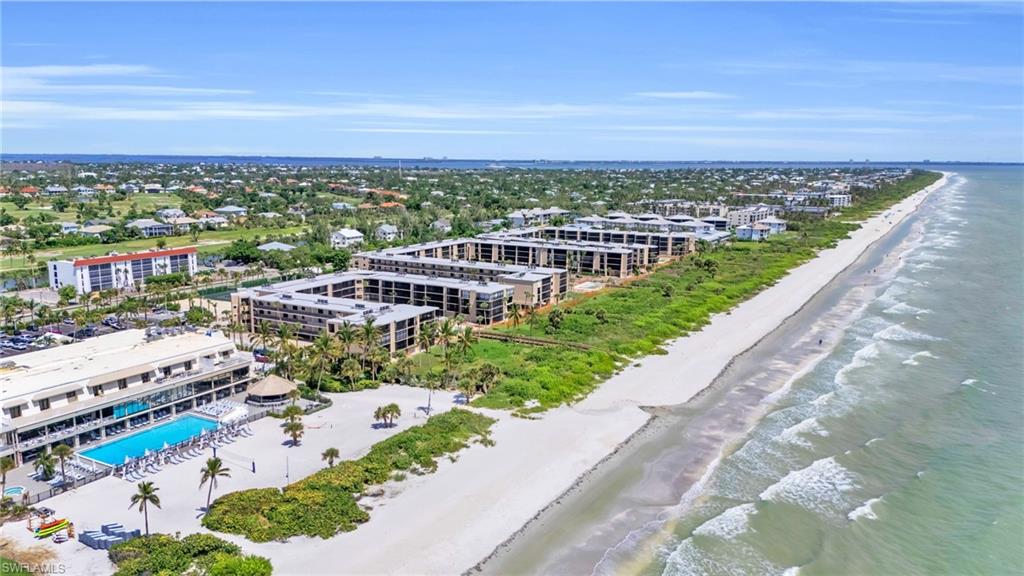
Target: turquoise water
136 445
14 491
903 451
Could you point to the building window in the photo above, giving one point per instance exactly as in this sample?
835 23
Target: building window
145 376
188 365
166 370
122 383
15 411
97 390
72 397
44 404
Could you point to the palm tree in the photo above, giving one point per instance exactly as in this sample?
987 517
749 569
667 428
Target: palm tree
262 336
531 317
514 314
63 452
351 371
45 465
368 335
346 334
6 465
387 414
330 455
294 428
464 342
445 335
213 469
324 350
143 498
427 336
292 413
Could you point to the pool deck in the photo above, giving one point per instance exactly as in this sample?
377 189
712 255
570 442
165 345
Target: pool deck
347 425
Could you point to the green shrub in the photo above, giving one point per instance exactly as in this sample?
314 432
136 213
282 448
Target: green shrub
163 554
324 503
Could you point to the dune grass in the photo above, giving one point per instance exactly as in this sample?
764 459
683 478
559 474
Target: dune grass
637 319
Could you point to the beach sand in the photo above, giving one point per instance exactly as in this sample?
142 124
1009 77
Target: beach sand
447 522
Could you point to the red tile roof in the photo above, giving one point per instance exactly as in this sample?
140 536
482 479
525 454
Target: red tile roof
134 256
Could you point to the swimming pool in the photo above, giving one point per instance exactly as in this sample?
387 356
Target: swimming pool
14 491
136 445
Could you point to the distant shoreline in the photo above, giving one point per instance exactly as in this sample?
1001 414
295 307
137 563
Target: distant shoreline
473 163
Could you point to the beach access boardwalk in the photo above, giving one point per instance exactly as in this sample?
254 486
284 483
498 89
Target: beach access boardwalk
531 341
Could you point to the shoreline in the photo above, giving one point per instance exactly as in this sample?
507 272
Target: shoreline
837 307
461 514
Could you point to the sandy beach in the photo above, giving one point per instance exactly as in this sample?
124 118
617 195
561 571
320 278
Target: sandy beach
447 522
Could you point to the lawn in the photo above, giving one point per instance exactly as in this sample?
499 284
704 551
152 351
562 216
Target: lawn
209 241
143 203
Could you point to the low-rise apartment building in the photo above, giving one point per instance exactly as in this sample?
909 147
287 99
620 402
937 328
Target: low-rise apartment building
479 302
310 314
83 393
120 271
533 285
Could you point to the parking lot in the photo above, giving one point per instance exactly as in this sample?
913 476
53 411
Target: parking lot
36 338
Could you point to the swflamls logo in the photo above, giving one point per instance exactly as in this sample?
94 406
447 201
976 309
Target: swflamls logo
22 567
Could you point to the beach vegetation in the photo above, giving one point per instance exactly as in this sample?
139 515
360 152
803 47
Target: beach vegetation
325 503
202 554
673 301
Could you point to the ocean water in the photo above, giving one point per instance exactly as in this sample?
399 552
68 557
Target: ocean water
902 452
897 447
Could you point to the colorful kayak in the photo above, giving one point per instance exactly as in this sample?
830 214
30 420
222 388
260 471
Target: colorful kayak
51 528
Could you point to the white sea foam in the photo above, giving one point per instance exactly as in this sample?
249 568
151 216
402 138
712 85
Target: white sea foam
913 360
904 308
728 524
892 294
820 487
972 383
865 510
795 433
861 358
873 441
897 333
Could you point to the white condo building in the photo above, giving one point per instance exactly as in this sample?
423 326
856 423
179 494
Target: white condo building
120 271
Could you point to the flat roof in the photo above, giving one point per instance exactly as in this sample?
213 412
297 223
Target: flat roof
349 310
80 362
580 244
305 283
479 264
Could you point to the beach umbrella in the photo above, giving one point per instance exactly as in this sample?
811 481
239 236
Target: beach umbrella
127 459
166 445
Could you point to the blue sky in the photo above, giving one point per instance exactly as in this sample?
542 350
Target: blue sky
681 81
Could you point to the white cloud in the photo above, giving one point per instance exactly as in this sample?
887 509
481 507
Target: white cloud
60 80
687 95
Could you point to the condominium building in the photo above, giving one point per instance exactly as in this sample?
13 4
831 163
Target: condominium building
536 216
616 260
83 393
751 214
120 271
479 302
533 285
398 325
662 243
